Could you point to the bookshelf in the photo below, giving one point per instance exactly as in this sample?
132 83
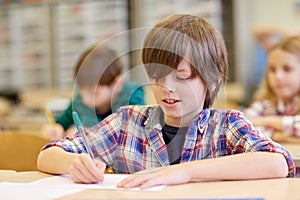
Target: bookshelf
40 42
77 25
24 46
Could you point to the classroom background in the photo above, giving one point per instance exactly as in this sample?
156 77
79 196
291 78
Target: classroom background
40 40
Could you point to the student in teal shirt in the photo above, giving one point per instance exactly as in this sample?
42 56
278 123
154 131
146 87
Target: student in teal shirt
100 90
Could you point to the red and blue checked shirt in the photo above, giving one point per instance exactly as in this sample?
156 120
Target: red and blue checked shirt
131 139
290 116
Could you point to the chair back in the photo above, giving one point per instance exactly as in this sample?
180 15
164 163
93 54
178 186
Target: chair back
19 151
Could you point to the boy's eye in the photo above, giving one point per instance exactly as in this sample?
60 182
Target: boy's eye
182 78
182 75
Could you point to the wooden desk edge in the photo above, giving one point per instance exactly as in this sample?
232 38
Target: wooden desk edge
21 177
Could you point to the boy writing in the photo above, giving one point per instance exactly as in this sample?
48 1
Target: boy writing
101 91
186 60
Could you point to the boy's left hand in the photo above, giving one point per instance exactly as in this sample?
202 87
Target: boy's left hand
170 175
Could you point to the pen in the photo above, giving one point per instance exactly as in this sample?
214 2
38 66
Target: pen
49 116
80 129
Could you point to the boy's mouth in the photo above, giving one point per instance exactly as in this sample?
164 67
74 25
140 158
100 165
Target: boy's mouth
171 101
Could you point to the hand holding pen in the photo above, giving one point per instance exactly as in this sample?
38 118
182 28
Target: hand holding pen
52 130
85 168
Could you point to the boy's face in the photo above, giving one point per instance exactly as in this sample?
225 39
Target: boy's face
180 97
283 74
99 98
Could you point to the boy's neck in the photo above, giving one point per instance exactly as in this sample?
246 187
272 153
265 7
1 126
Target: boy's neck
183 121
177 123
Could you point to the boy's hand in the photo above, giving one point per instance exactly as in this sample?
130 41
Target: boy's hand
170 175
85 170
71 131
53 132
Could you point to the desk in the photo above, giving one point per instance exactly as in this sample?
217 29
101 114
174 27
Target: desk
269 189
21 177
24 120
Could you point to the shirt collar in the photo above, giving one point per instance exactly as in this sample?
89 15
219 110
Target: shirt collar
203 119
153 120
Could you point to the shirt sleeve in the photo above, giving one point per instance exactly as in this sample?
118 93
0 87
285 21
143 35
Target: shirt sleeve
257 108
103 139
138 97
65 118
243 137
131 94
291 125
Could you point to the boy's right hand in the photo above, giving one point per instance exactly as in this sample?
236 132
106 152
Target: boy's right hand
53 132
85 170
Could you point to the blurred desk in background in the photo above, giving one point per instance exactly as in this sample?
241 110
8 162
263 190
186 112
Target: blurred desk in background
24 120
28 115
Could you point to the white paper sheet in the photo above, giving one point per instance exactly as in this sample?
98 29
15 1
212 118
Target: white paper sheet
17 191
110 182
58 186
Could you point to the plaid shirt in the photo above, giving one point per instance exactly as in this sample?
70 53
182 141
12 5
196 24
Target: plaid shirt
131 139
290 119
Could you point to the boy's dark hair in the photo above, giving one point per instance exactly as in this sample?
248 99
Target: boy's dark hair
178 37
98 65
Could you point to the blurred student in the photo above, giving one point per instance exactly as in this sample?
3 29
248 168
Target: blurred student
100 91
265 37
276 106
186 60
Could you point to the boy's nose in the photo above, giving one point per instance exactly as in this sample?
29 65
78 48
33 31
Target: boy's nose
169 84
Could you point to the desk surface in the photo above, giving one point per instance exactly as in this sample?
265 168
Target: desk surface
269 189
21 177
272 189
